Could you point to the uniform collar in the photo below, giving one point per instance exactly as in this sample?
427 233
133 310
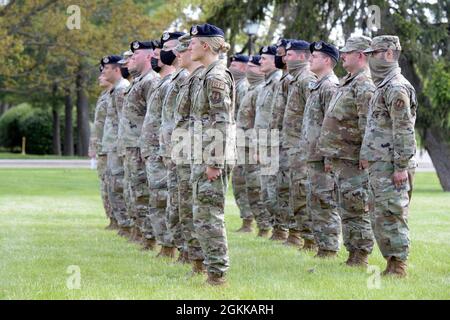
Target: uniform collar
391 75
331 76
350 77
271 76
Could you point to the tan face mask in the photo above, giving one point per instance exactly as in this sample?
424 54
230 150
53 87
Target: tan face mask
295 65
380 68
237 74
254 78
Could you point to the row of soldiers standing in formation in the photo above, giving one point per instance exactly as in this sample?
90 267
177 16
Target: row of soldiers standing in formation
345 157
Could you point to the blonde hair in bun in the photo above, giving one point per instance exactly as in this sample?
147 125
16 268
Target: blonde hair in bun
216 44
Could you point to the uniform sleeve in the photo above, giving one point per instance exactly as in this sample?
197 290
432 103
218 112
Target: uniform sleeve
221 111
399 105
327 94
364 93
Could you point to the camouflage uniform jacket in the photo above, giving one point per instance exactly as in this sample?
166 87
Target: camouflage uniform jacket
279 101
168 109
299 91
149 138
213 110
390 133
241 89
113 115
135 107
316 106
99 121
345 121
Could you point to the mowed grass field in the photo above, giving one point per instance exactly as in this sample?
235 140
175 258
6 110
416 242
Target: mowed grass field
52 225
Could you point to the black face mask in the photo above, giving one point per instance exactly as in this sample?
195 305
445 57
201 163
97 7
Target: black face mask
279 62
155 66
124 72
167 57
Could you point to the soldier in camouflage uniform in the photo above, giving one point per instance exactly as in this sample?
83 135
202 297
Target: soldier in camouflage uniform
168 57
280 219
247 149
213 122
388 150
263 114
150 151
238 68
112 73
340 142
99 125
182 158
133 113
321 198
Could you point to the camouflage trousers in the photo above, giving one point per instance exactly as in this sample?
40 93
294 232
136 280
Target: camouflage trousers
389 213
139 194
185 210
102 170
209 218
254 194
157 182
285 219
115 189
352 187
240 192
321 203
173 216
301 219
269 188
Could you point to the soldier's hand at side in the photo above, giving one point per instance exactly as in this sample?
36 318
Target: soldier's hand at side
399 178
213 173
363 164
327 167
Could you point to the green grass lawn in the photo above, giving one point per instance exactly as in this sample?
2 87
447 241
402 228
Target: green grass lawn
53 219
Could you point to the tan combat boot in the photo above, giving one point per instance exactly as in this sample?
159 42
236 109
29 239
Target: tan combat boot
263 233
111 225
325 254
294 239
167 252
124 232
148 244
246 226
115 225
198 267
215 279
360 259
388 267
279 235
397 268
183 257
309 245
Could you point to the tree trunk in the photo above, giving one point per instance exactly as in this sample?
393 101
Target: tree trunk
82 113
56 139
437 146
68 133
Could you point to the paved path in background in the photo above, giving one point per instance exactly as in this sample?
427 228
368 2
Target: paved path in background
31 163
425 164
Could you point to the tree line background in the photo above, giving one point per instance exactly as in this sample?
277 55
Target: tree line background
53 69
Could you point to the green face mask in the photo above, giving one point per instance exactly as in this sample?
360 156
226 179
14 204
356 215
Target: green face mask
254 78
295 65
380 68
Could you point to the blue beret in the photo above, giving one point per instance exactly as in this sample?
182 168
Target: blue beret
326 48
136 45
240 58
297 45
167 36
206 30
272 50
255 60
110 60
283 42
157 44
